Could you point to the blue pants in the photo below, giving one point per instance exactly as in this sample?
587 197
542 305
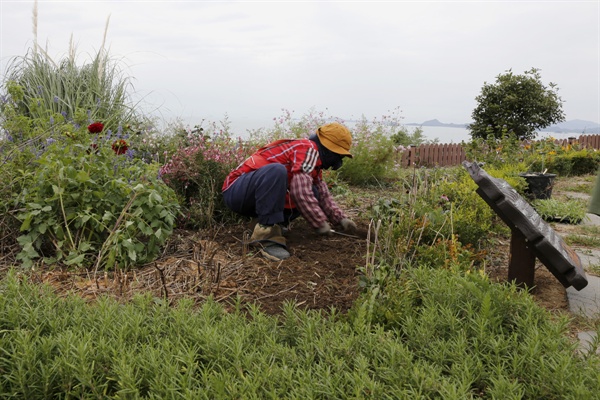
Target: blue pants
260 193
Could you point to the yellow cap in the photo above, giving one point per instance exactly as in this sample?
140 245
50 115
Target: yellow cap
336 137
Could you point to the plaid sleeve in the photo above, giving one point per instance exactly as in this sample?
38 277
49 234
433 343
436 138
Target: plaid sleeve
333 212
302 194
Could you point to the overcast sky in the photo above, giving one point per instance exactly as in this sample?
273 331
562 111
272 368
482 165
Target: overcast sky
249 59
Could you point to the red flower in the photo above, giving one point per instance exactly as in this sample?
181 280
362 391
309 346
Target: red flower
120 146
96 127
93 148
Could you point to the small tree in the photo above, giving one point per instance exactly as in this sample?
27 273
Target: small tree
518 104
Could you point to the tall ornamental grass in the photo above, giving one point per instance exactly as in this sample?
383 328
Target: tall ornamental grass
95 90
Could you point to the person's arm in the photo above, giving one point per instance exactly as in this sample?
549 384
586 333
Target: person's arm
304 197
333 212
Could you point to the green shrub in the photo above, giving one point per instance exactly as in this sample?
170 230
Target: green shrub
84 206
374 154
404 137
571 163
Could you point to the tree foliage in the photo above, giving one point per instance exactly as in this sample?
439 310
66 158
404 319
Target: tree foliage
519 104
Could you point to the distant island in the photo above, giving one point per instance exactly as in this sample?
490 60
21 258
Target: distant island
435 122
573 126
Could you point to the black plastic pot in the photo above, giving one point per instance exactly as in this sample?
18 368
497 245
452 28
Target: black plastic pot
539 186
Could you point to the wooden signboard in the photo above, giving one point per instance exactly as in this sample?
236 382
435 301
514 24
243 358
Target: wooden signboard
531 236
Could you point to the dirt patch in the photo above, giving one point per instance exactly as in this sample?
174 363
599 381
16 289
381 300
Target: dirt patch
547 292
322 273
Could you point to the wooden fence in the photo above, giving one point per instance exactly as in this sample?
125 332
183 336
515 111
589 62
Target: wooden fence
444 155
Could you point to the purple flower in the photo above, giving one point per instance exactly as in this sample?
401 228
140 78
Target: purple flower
129 154
55 99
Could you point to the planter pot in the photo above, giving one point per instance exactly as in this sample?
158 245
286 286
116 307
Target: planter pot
539 186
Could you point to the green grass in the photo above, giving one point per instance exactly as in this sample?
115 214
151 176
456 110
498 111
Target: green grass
583 240
581 184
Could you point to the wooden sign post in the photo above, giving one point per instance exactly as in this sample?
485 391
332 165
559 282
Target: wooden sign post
531 236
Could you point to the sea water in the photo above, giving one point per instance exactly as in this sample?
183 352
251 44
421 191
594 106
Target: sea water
240 127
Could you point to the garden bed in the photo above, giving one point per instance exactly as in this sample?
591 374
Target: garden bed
322 273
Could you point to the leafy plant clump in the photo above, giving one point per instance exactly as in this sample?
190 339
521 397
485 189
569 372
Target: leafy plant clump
553 210
88 206
429 206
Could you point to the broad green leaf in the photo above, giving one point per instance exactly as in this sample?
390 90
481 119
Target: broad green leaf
57 190
107 216
26 222
82 176
84 246
110 260
29 250
74 260
132 255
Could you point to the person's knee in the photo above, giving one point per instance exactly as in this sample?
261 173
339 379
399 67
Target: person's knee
275 171
273 175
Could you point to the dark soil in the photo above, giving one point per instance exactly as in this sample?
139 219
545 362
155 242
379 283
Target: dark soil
322 272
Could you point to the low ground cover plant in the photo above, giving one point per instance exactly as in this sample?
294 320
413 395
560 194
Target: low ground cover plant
568 211
430 334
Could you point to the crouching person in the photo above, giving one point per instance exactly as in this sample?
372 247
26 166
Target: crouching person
283 180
